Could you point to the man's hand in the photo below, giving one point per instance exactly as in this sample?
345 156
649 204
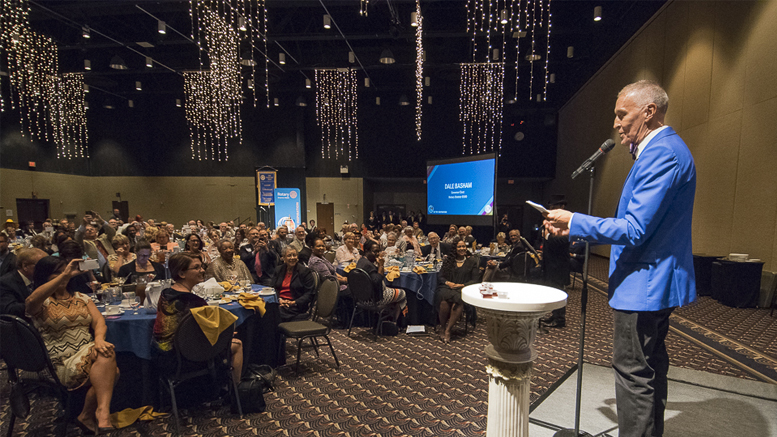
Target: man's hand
557 222
87 219
492 264
97 217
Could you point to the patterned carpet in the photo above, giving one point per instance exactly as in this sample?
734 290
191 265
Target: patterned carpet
419 386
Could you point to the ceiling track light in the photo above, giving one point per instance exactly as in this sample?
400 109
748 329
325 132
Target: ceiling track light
377 101
351 57
414 19
429 99
117 63
178 102
307 83
570 52
495 55
552 77
327 22
87 64
427 81
366 82
86 88
282 58
275 102
250 84
241 24
403 101
301 102
86 32
149 62
597 13
386 57
161 27
138 86
503 17
130 103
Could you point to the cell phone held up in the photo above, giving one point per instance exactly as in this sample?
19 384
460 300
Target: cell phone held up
88 264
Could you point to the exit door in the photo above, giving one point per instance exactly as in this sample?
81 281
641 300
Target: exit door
325 213
33 210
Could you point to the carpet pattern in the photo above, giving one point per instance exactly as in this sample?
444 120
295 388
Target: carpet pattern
419 386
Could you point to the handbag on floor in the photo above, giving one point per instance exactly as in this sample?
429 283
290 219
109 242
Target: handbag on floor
250 390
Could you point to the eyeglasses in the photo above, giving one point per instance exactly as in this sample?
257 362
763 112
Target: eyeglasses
199 267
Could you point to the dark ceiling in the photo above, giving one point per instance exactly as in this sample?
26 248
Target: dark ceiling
295 26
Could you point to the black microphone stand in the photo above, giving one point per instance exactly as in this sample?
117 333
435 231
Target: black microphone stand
567 432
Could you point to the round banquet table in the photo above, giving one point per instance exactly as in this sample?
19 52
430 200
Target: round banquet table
511 326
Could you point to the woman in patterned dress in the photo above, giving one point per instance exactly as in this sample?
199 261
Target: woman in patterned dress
63 320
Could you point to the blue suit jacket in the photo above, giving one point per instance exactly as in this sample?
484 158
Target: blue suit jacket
651 263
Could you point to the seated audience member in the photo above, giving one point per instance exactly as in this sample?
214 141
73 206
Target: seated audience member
85 282
295 285
322 266
280 241
501 243
265 260
194 247
96 246
27 229
348 252
458 270
142 265
391 242
451 235
241 237
40 242
174 236
131 232
175 302
66 321
59 237
470 238
10 229
304 255
411 242
7 257
227 265
435 250
372 262
226 231
247 252
162 247
515 259
211 242
121 254
17 285
299 238
417 231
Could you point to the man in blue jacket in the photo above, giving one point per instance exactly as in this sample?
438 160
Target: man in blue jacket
651 265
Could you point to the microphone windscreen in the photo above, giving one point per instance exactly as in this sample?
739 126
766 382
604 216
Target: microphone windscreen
608 145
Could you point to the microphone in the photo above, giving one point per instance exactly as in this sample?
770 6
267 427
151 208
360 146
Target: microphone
528 246
604 148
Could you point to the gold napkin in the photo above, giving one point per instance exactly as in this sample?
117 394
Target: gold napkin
127 417
419 269
213 320
349 267
392 273
252 302
226 285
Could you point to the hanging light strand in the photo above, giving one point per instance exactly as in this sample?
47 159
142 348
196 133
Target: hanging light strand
419 70
336 113
480 107
68 115
213 97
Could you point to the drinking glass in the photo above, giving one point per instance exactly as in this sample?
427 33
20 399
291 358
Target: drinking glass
135 304
233 279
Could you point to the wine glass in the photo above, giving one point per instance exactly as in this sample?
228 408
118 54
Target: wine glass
135 304
233 279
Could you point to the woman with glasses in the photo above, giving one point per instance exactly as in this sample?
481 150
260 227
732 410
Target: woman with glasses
177 301
143 264
295 285
194 247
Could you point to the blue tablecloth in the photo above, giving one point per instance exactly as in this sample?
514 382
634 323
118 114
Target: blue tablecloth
133 332
423 285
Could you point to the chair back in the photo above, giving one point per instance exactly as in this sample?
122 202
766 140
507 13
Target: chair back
330 256
191 343
22 346
360 284
768 288
327 299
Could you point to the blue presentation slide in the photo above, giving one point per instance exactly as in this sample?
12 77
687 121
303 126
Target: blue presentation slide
463 188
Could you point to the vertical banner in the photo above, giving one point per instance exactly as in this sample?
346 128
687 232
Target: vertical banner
265 184
287 208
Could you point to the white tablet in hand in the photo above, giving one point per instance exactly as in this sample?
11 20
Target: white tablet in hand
538 207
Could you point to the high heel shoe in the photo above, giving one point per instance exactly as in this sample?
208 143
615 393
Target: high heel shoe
446 338
85 430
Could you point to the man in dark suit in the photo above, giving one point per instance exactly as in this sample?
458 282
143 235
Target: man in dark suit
16 286
651 265
7 257
435 249
515 261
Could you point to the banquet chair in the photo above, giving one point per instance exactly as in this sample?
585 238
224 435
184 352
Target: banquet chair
22 349
197 357
330 256
303 329
365 299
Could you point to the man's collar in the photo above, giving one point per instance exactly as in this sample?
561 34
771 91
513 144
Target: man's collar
645 141
26 280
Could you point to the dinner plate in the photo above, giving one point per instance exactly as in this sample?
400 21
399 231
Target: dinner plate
114 313
266 293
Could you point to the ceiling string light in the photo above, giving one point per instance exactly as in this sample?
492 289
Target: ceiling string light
492 22
419 69
31 59
68 115
480 107
213 97
336 113
363 5
246 18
